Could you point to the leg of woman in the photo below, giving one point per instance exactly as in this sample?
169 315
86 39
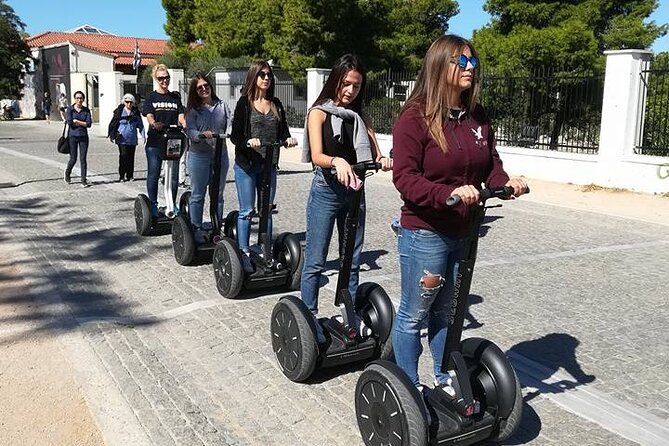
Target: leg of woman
322 208
83 154
437 325
246 190
130 172
199 168
121 162
153 163
74 151
423 262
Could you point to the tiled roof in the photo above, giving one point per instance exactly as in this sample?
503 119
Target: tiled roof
121 48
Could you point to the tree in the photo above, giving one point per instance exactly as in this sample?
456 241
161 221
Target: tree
563 34
561 38
14 53
298 34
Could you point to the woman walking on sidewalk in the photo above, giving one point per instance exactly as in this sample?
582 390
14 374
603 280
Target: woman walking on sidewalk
79 120
125 136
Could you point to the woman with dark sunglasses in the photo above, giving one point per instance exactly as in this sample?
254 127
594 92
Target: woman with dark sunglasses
126 122
162 108
259 120
443 145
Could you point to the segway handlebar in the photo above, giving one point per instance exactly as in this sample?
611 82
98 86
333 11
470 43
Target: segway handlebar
503 193
213 135
362 167
276 145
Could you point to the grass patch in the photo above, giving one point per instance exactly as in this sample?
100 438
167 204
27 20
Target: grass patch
596 188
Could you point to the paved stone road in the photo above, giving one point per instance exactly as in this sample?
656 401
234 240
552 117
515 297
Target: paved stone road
578 300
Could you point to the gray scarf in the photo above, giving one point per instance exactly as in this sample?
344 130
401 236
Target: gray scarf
361 142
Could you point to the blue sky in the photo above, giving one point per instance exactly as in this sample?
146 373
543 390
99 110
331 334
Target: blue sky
145 18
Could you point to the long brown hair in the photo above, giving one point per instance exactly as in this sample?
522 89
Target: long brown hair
194 99
251 90
431 90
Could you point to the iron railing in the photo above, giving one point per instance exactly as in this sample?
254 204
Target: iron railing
653 129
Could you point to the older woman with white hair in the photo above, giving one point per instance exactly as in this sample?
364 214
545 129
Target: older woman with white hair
124 129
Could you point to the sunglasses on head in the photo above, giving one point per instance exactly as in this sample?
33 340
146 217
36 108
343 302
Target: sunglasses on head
162 78
265 74
462 61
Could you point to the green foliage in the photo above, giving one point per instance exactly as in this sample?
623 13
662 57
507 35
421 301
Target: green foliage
563 37
14 53
298 34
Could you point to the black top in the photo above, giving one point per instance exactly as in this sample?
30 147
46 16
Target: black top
343 148
241 131
165 108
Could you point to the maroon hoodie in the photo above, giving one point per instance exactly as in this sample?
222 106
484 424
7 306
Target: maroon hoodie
425 176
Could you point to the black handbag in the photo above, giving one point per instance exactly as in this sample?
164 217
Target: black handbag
63 143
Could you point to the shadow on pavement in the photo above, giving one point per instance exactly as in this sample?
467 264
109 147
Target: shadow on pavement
63 280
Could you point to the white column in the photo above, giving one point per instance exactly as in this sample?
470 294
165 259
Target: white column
109 86
620 108
316 78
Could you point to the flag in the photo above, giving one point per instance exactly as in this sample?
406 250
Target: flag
136 57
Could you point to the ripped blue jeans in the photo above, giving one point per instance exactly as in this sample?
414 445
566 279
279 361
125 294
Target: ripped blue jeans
428 265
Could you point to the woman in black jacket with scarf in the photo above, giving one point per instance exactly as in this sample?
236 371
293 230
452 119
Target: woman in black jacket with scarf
259 120
123 131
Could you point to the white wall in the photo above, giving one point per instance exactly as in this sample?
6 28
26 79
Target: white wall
83 60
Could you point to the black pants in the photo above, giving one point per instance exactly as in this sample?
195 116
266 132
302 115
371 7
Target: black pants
126 162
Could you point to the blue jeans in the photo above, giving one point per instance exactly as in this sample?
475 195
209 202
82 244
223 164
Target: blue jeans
326 205
428 266
153 163
248 184
200 167
78 145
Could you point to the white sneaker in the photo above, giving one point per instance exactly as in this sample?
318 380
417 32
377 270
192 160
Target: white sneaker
362 328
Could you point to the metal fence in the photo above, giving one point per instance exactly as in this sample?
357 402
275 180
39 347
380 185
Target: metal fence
653 134
384 95
546 110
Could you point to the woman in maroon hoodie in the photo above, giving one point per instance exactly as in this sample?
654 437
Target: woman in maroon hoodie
443 145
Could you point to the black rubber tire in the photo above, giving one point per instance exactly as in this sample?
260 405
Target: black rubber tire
374 306
228 270
143 217
184 204
495 385
183 242
288 251
294 338
389 408
230 225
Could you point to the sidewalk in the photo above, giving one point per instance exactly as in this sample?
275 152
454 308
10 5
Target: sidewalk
588 271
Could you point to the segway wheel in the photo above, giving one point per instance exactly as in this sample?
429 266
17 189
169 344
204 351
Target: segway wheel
374 306
184 203
142 214
183 243
230 225
389 408
288 251
294 338
228 268
495 385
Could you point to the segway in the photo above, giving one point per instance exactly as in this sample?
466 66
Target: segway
183 234
293 328
482 400
277 265
172 145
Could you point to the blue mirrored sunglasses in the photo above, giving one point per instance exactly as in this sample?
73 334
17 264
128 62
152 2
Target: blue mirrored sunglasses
462 61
